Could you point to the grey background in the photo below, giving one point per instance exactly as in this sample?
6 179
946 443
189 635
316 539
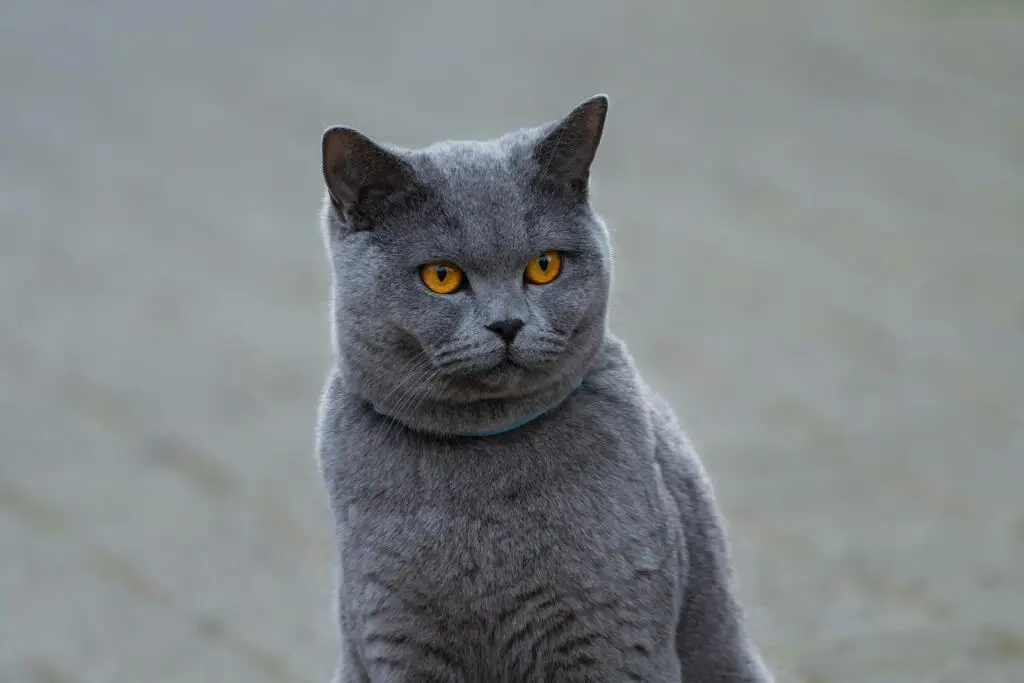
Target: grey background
818 208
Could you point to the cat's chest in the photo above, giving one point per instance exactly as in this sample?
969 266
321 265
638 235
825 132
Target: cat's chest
465 527
510 558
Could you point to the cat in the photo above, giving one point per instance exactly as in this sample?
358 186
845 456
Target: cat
511 502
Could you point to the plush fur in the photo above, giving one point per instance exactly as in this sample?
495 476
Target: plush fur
584 545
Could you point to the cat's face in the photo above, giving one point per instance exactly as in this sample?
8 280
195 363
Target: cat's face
468 269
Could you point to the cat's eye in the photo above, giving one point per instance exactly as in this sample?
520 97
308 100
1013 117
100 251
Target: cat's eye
441 277
544 268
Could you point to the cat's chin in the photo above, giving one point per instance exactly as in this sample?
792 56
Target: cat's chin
504 375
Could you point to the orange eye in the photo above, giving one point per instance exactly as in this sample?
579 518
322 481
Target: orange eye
441 277
544 268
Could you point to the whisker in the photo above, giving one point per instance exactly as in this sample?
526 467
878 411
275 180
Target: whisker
412 402
423 397
455 349
457 365
391 418
461 358
467 354
409 372
423 378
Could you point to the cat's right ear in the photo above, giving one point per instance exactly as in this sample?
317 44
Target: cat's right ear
363 179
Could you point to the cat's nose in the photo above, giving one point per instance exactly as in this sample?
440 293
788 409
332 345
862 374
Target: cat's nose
506 329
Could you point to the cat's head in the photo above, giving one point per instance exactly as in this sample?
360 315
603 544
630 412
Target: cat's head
467 271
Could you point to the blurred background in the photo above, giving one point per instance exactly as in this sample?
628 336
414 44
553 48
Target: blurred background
818 208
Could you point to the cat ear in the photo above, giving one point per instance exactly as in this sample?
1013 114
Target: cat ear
567 149
362 177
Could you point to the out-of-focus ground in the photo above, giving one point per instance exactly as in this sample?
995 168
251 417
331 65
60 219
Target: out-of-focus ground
819 215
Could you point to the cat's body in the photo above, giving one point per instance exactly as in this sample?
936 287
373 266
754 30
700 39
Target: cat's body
582 545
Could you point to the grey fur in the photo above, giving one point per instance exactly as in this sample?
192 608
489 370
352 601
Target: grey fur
583 546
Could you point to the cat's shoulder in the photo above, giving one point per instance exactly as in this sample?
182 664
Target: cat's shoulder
618 372
674 451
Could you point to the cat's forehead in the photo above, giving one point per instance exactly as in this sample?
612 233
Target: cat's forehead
465 165
482 181
482 208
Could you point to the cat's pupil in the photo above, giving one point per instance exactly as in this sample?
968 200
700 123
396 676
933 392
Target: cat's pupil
544 262
442 273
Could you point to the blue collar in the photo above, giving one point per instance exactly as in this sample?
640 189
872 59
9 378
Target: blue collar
512 427
502 430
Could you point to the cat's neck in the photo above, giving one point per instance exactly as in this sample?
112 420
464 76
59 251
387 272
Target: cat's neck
491 417
485 417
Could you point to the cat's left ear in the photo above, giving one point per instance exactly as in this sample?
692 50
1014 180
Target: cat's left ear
567 149
363 178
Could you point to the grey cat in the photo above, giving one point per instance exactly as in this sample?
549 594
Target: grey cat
512 502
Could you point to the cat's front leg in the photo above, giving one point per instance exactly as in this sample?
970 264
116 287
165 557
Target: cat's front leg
712 641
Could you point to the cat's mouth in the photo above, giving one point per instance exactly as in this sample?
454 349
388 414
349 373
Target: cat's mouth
501 370
508 360
503 361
